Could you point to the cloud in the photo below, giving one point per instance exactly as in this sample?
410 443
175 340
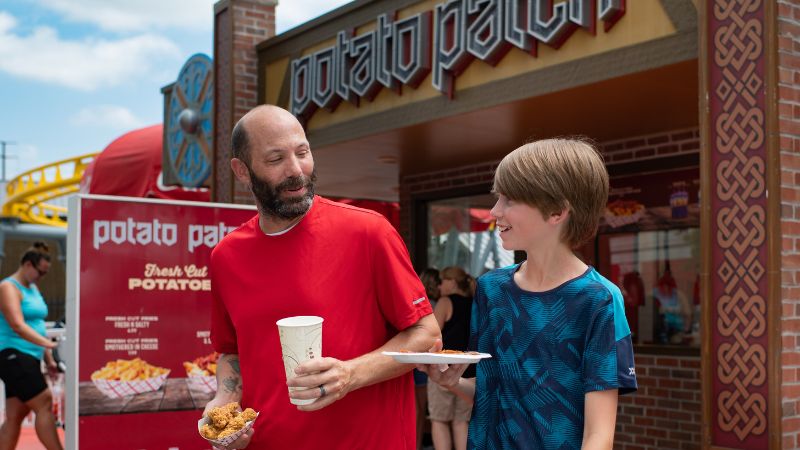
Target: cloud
137 15
21 157
141 15
107 116
85 64
291 13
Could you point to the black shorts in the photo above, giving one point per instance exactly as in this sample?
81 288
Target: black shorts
22 374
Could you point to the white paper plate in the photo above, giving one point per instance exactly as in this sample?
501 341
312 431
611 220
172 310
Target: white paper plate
437 358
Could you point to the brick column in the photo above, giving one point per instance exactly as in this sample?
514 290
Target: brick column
239 25
788 96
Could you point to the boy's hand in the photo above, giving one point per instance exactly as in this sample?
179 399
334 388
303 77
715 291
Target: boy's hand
446 375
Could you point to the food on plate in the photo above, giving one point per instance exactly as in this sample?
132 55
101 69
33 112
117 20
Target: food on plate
226 420
443 352
202 366
128 370
456 352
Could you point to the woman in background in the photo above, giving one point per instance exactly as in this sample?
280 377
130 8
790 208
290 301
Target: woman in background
23 345
449 411
430 279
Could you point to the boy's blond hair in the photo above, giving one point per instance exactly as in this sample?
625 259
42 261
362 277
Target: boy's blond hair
556 174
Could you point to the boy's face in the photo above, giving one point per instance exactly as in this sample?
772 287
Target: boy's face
523 227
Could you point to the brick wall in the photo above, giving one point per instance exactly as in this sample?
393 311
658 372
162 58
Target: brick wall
665 413
652 146
789 144
239 26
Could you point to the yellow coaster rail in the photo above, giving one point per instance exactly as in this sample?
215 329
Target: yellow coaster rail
28 193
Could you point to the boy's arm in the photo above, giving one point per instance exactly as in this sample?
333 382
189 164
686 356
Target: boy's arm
449 375
600 417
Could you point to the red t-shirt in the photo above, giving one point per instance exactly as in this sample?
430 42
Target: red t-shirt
347 265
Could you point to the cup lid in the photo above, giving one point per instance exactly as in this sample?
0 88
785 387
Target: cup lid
299 321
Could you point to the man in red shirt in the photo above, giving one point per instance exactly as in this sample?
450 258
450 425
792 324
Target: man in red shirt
305 255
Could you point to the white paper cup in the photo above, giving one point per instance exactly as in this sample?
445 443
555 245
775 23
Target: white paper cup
301 340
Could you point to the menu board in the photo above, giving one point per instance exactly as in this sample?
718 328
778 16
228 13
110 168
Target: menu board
139 300
655 201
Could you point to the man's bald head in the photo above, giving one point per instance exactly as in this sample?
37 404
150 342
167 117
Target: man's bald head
271 120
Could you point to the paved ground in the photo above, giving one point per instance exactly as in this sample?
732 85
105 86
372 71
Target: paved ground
29 441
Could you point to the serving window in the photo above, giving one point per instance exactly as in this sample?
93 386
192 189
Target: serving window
462 233
648 244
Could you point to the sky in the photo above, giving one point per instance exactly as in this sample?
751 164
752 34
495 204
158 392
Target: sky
77 74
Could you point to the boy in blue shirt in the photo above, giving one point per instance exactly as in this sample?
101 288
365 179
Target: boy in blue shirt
556 328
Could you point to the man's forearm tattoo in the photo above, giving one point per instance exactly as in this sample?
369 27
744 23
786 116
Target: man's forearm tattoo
233 383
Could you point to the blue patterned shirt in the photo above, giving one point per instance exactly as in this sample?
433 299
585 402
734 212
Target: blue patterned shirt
548 350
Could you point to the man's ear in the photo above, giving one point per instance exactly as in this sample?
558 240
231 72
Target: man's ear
241 171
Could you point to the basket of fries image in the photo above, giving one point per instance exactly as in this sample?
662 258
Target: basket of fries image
623 212
225 424
124 377
201 373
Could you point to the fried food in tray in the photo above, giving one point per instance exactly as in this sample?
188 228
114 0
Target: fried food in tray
224 424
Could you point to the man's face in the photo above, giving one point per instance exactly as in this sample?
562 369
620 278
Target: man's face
287 206
280 166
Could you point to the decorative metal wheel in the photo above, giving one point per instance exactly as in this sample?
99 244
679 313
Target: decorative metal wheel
190 122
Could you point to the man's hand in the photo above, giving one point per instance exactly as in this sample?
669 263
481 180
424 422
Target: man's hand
242 441
446 375
335 377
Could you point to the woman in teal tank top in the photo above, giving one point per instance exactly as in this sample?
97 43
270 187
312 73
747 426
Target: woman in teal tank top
23 345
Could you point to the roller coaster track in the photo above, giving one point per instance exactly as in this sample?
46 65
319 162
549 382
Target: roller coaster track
27 194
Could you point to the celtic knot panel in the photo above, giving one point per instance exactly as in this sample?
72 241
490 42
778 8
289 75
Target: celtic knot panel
738 158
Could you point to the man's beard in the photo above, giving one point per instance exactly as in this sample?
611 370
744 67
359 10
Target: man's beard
269 198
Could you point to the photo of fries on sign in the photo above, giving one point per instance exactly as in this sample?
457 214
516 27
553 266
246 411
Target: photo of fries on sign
201 373
124 377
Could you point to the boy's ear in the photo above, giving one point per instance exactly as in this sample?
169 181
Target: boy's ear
240 170
559 217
